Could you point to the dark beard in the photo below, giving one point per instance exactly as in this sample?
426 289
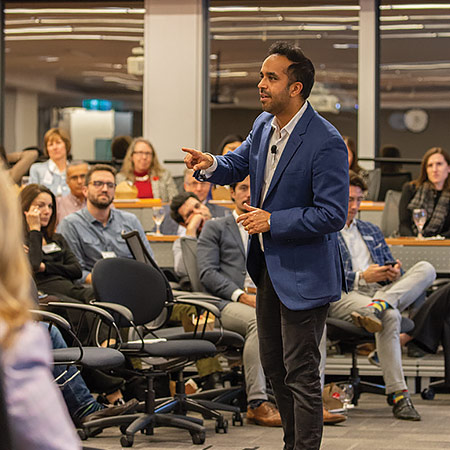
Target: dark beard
101 205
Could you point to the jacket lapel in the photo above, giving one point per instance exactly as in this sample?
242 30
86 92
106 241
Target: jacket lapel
234 230
261 162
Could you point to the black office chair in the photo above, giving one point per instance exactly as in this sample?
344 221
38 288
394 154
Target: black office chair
392 182
349 336
227 342
136 294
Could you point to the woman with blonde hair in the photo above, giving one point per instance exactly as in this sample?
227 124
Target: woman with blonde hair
52 173
37 416
142 168
431 192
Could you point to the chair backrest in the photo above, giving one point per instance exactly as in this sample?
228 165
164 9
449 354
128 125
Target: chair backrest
189 250
373 184
390 218
138 286
392 182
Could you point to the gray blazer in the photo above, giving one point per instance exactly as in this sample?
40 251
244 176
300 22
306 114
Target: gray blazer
169 226
221 257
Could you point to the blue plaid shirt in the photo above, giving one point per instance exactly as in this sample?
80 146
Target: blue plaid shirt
374 239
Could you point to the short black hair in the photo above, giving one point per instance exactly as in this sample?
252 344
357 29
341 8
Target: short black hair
177 202
356 180
301 69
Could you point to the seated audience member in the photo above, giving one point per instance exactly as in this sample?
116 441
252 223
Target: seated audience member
79 401
119 147
432 327
142 168
238 308
21 161
390 151
221 253
377 293
431 191
37 416
230 143
55 268
52 173
94 232
201 191
353 158
75 176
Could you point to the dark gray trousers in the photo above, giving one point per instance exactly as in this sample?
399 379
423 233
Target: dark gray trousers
289 349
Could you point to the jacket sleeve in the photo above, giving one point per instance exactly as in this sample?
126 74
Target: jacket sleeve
35 249
70 267
208 261
405 227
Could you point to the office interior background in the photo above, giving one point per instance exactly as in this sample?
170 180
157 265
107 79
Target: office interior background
81 65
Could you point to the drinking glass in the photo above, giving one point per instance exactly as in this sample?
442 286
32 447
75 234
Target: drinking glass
420 218
158 217
348 392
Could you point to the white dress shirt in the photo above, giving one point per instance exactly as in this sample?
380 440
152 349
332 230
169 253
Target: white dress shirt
359 252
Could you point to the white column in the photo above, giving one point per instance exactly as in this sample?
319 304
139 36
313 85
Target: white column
368 80
173 77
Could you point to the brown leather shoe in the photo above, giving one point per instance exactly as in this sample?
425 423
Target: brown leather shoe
266 414
331 419
127 407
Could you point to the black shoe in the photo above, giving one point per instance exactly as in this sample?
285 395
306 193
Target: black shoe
413 351
368 318
404 410
129 406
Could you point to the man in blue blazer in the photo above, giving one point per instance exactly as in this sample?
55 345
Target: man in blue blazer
298 170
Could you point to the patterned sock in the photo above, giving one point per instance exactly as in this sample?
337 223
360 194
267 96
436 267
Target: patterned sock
379 305
399 395
89 409
253 404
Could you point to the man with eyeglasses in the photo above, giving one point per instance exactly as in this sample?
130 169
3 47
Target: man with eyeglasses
94 232
75 175
201 190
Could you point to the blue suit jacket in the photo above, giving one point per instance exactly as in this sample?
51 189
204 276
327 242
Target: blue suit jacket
308 199
374 239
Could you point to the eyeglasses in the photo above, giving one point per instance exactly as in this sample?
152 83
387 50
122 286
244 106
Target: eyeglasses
99 184
143 154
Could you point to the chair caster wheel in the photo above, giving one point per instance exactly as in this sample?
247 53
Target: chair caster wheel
222 424
428 394
82 434
126 441
237 419
198 438
123 429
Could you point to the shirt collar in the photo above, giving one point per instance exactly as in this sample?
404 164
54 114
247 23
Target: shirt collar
53 167
90 218
352 226
289 127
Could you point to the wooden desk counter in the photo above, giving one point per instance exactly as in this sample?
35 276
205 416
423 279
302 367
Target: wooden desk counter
414 242
371 206
161 238
137 203
410 250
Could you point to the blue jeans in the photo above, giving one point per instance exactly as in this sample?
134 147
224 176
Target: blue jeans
75 392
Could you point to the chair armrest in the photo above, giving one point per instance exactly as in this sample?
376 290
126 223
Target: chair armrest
119 309
83 307
213 309
52 317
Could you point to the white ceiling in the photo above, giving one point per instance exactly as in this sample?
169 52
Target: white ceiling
79 53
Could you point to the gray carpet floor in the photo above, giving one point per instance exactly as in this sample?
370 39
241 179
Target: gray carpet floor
370 426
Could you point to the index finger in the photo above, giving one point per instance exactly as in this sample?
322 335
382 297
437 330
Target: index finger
241 217
191 151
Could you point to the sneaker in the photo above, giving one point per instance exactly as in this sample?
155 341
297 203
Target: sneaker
413 351
404 410
128 407
265 414
368 318
373 358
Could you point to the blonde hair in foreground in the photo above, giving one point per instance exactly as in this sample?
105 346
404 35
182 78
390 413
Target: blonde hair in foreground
15 277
